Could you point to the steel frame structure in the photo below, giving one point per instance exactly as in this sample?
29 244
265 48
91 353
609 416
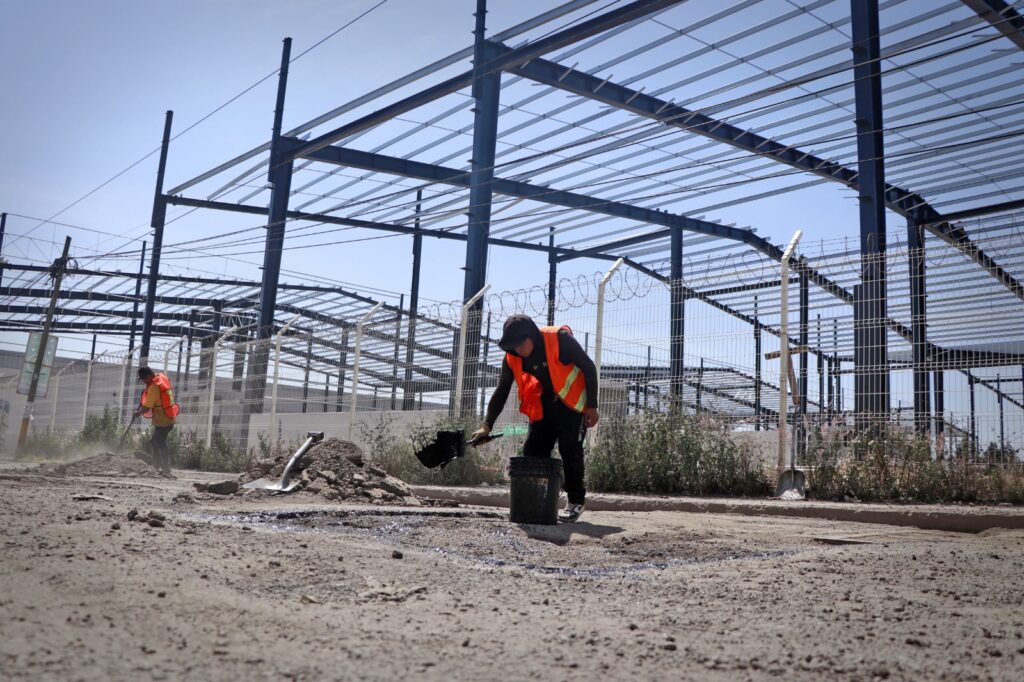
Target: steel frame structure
938 215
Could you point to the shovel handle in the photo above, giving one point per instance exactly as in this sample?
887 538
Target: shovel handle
484 439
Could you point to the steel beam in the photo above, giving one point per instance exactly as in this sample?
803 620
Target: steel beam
381 163
899 200
573 34
1002 16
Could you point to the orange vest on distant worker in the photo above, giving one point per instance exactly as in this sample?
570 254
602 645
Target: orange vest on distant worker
167 401
566 380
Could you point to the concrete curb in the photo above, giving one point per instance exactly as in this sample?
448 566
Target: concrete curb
966 519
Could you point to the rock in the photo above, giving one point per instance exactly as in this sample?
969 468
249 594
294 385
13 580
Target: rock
155 523
358 479
374 469
332 495
183 498
329 476
133 514
396 554
200 487
157 515
265 466
223 488
115 526
356 458
395 486
314 488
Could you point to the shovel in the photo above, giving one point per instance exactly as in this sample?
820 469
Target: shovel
124 435
448 446
286 484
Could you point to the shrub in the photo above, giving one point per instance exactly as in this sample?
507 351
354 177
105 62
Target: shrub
188 451
894 465
672 452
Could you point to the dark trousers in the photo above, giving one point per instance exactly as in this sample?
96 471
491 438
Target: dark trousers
566 427
161 455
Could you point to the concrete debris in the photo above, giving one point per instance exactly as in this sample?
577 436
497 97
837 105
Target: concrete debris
221 488
336 470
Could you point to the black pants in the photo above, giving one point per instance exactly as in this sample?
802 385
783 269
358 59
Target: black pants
566 427
161 455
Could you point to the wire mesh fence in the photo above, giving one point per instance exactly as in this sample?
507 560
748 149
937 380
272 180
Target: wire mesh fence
873 359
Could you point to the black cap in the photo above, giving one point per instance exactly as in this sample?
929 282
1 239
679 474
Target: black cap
517 329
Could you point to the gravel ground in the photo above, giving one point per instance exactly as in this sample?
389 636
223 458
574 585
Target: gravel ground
201 586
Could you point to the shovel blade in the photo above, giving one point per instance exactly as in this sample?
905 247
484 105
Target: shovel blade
271 484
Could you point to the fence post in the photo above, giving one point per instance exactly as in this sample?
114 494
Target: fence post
213 383
56 397
784 344
88 387
277 372
599 323
167 353
354 396
124 379
460 362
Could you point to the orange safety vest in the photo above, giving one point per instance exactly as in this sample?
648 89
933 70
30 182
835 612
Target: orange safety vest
566 380
171 408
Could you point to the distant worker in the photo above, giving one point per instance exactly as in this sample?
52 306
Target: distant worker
157 403
557 384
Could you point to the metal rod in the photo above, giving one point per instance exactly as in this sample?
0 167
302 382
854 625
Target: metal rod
599 323
784 343
277 373
354 398
213 384
460 362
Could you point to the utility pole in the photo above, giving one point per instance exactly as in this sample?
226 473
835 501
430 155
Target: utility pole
57 272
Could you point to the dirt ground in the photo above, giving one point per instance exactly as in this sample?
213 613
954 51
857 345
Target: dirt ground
201 586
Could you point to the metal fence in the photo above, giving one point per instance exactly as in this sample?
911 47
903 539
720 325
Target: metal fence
850 372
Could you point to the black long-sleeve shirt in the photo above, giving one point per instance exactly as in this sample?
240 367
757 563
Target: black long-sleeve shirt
570 352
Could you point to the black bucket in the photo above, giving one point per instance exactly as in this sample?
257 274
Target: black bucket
534 485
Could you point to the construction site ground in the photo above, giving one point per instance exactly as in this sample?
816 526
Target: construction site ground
136 577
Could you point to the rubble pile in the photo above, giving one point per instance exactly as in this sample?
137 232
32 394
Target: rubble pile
337 470
103 464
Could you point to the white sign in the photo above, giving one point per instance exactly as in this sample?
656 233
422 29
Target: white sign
28 367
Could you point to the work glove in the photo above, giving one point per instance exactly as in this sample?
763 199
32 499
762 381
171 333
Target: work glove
482 432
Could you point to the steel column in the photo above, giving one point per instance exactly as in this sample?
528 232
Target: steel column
552 275
3 228
398 344
486 93
870 352
280 178
677 315
408 398
918 324
757 371
940 402
974 423
135 304
157 223
801 419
